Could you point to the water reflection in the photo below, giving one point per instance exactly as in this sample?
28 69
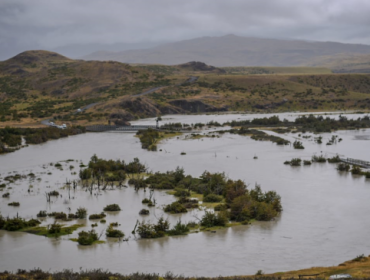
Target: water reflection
147 244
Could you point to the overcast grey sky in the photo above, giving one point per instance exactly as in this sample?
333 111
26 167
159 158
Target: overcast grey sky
57 24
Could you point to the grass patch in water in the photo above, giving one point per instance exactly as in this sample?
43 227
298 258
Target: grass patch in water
44 231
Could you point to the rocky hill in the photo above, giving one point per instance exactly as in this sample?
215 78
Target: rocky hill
42 84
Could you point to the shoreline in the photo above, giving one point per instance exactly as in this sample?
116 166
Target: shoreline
358 268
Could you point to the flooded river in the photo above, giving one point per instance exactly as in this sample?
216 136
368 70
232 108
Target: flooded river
324 221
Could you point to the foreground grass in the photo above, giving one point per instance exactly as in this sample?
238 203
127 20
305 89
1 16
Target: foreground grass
44 231
358 269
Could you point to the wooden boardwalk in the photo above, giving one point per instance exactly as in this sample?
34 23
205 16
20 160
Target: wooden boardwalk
362 163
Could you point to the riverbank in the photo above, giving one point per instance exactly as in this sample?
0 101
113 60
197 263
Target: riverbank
358 268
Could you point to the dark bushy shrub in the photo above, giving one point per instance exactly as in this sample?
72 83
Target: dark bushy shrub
147 230
335 159
81 213
221 207
211 219
320 159
97 216
112 207
180 192
175 207
54 193
58 215
179 229
87 237
212 198
55 228
356 170
14 204
42 214
144 212
111 232
343 167
298 145
19 223
189 202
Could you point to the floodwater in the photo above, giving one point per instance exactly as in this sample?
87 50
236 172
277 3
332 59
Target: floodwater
324 221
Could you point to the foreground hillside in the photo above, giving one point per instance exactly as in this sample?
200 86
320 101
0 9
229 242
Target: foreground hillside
38 85
358 268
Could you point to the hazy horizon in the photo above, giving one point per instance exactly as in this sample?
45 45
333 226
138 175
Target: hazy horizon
77 28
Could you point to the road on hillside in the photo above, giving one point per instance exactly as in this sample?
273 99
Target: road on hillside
148 91
88 106
84 108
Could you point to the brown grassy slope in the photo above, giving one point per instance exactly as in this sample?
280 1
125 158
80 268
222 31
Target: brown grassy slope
276 70
300 92
54 75
344 63
358 269
36 85
40 81
184 70
348 82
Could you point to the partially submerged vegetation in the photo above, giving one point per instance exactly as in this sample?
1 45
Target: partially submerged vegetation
150 138
310 123
17 223
341 166
257 135
53 230
12 137
244 204
148 230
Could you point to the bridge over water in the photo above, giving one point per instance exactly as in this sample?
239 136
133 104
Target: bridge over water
362 163
123 128
128 128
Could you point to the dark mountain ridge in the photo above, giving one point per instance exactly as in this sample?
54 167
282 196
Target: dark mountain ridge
231 50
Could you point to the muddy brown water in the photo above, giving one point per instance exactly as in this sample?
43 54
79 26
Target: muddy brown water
324 221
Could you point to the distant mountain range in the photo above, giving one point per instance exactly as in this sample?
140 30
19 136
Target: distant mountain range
231 50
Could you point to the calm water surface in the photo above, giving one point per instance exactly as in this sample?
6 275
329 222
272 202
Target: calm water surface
324 221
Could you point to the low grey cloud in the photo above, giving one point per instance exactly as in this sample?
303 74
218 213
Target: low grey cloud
53 24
